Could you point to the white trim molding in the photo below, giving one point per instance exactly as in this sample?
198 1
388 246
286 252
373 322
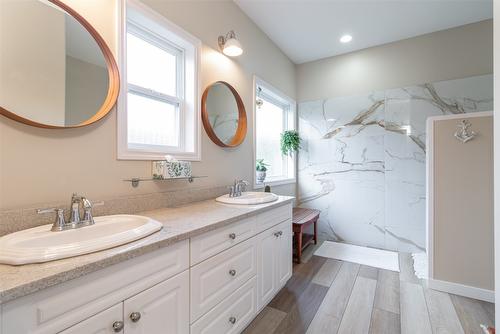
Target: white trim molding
291 120
190 130
451 287
462 290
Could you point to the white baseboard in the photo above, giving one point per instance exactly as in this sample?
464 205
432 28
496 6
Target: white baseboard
462 290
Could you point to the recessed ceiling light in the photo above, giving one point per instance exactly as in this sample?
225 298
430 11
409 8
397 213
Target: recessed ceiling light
346 39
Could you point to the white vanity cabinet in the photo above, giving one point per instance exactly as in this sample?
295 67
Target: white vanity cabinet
155 284
215 282
273 261
164 306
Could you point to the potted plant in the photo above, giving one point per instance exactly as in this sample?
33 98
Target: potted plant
260 170
290 142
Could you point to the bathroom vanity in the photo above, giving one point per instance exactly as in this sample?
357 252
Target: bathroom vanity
211 269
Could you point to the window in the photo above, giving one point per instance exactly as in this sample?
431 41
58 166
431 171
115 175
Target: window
158 106
274 113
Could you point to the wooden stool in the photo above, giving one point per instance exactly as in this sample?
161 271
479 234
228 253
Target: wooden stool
302 218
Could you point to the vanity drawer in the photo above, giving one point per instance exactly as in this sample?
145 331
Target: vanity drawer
214 242
216 278
273 217
233 314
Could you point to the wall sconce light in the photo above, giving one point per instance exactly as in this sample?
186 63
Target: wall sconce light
229 45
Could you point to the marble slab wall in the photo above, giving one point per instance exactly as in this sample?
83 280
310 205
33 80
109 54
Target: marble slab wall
362 161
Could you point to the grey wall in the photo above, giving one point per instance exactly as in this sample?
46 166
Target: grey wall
449 54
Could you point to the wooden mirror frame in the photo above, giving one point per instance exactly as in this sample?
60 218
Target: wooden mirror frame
113 74
241 131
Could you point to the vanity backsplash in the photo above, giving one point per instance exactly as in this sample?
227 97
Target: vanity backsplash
23 218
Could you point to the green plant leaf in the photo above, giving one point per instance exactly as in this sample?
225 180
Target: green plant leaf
260 165
290 142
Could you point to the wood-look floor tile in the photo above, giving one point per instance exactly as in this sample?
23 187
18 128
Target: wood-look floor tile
327 272
471 314
368 272
309 269
384 322
387 294
354 303
266 322
338 294
442 314
308 253
287 297
300 316
323 323
357 316
303 274
413 308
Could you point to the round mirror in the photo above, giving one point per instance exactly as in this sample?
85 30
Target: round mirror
223 115
55 69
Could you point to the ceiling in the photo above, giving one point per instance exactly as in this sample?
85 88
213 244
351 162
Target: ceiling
307 30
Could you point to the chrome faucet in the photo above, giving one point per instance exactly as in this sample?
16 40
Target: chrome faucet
75 209
237 188
75 220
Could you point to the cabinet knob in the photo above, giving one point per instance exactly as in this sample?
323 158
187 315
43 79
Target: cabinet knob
232 236
135 316
232 320
232 272
118 326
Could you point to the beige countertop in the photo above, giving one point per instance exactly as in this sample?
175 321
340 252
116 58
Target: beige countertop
179 223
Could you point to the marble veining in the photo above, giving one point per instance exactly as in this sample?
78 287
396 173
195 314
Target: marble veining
179 223
362 161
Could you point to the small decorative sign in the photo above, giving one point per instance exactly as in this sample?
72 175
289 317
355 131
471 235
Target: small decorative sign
464 132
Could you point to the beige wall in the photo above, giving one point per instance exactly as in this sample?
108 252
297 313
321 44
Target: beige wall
35 69
40 165
463 204
450 54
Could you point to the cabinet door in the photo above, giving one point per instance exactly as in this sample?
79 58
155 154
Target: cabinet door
284 253
266 267
101 323
164 308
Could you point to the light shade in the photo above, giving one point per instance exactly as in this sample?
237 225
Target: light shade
229 45
346 39
232 48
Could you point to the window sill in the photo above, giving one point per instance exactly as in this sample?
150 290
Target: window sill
137 156
277 182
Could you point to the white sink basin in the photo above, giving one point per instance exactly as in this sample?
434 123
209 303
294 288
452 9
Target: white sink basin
248 198
40 244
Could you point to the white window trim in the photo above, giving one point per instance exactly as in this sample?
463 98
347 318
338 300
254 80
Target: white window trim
123 151
293 105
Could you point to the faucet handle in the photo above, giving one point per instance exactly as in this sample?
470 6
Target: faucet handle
87 209
60 221
46 210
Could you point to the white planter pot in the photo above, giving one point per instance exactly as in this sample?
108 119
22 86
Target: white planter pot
260 176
